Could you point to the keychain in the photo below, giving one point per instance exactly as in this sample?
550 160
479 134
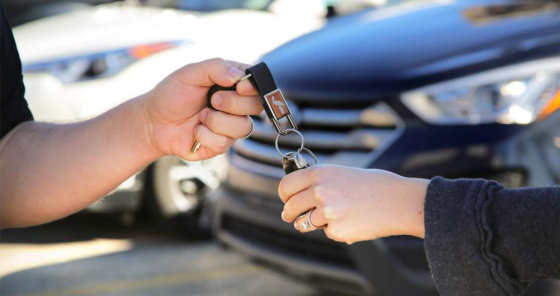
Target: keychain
276 109
271 97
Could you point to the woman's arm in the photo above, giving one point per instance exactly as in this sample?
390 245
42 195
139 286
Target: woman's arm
484 239
480 238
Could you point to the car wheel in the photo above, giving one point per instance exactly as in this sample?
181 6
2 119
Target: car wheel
178 189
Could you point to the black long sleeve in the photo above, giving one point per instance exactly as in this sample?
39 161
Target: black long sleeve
484 239
13 107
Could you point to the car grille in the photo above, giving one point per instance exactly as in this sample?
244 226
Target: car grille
344 134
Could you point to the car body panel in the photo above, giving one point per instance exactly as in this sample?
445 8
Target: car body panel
462 46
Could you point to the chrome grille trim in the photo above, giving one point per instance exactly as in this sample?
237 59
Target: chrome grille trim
359 139
353 142
263 152
351 137
378 115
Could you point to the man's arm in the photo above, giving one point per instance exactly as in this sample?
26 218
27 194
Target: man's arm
48 171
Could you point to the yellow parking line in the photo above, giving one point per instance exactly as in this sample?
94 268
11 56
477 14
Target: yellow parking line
151 282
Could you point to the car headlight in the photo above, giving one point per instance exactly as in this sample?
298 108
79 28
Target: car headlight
98 65
518 94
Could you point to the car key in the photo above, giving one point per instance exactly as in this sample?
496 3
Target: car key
293 161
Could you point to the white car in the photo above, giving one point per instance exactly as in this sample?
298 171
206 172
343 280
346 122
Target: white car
80 64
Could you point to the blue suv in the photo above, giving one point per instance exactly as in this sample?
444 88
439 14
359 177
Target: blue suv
423 88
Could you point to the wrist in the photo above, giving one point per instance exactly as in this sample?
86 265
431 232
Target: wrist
414 197
419 188
144 127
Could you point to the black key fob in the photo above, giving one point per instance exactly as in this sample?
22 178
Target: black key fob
292 162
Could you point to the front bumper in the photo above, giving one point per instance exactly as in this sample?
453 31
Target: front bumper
254 227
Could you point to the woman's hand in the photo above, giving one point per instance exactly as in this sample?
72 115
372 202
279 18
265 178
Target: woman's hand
176 113
354 205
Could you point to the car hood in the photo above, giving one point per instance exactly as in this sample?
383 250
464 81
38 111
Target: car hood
385 51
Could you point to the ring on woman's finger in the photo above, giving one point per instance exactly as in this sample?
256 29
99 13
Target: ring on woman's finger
306 224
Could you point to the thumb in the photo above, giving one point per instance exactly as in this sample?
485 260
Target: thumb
210 72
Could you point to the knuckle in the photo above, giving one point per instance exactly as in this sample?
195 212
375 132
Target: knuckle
216 61
318 194
330 213
210 119
315 173
319 172
198 132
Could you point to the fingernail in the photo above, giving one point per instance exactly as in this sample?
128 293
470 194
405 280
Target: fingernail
203 115
283 218
217 100
235 73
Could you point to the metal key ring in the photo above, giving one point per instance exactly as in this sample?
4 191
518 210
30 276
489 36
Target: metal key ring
289 131
304 149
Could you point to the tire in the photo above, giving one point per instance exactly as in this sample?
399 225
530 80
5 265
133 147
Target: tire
176 191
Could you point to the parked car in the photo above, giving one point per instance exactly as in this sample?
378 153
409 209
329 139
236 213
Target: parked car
79 64
425 88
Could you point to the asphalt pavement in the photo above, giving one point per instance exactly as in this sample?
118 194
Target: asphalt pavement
97 255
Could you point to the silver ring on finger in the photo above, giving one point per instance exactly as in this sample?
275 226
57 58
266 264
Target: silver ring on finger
252 127
306 225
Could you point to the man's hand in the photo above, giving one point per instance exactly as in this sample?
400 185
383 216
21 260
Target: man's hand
354 205
176 112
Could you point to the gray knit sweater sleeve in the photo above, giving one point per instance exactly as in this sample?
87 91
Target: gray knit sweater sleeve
484 239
